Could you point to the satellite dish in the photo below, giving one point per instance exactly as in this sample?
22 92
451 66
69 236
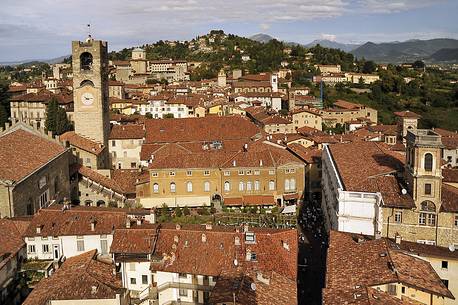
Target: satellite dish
236 262
253 286
451 248
404 191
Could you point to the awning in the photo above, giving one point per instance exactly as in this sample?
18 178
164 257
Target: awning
289 209
252 200
291 196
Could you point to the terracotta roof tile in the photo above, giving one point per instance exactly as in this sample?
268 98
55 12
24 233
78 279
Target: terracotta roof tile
55 221
22 153
10 240
449 198
82 143
75 280
129 131
450 175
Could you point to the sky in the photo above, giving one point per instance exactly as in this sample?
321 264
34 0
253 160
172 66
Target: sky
31 29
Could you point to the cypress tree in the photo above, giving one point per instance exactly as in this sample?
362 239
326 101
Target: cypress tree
62 123
51 115
3 116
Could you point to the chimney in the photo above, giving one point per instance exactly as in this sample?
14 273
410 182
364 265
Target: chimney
128 223
204 238
398 239
234 163
260 162
245 228
93 225
93 289
245 147
139 221
39 229
208 226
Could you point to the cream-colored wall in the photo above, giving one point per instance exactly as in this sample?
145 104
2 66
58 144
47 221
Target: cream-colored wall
410 292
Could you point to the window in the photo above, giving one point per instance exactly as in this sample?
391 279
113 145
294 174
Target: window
206 186
172 174
133 281
256 185
45 248
31 249
444 264
456 220
445 283
271 185
287 186
257 172
292 184
427 215
391 289
206 173
133 165
173 187
183 275
248 172
241 172
154 174
80 245
131 266
428 162
427 188
241 186
227 186
183 292
227 173
271 172
188 173
145 279
403 290
189 186
155 188
249 186
426 242
250 237
398 217
104 246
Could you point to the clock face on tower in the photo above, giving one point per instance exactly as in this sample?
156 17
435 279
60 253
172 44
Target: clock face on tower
87 99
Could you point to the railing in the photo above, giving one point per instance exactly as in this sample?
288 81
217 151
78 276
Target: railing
181 285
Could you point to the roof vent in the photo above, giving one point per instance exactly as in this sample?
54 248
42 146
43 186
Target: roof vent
177 226
93 289
236 262
404 191
253 286
186 243
357 296
175 239
383 254
397 239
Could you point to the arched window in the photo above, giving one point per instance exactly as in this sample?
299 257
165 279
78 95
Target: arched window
256 185
86 61
241 186
155 188
287 186
427 216
86 83
428 162
173 187
227 186
292 184
206 186
189 186
271 185
249 186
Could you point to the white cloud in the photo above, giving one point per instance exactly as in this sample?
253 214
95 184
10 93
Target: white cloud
264 26
330 37
394 6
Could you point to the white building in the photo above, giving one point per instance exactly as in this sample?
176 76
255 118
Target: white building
58 232
347 210
125 144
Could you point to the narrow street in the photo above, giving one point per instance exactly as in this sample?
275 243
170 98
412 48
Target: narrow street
312 254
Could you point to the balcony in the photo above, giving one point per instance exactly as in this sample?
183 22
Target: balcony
424 137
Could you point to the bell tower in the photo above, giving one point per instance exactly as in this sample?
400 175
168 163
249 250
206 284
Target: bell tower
423 171
90 89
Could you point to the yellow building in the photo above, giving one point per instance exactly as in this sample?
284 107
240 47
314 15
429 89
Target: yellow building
195 179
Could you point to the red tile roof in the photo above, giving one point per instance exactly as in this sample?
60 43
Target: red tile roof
10 240
22 153
358 261
450 175
121 181
407 114
82 143
136 240
347 105
449 199
199 129
129 131
75 280
55 221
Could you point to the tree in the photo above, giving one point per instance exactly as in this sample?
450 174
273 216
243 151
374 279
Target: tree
178 212
148 115
3 116
62 122
186 211
51 115
418 64
167 116
369 67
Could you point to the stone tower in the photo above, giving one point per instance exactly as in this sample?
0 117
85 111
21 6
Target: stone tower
90 89
222 79
405 120
423 172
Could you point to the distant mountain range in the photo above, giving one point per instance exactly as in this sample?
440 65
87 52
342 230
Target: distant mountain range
29 61
411 50
432 50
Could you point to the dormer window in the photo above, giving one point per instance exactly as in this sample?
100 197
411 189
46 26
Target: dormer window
250 238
